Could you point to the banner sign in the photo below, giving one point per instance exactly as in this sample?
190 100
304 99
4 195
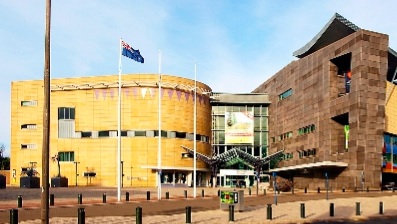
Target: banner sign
239 127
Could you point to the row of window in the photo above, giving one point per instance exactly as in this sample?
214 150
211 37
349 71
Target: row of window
303 153
288 155
285 136
28 146
28 103
301 131
308 152
285 94
28 126
306 129
222 109
141 133
254 151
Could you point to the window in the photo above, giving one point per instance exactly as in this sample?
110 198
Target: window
150 133
307 129
66 156
285 94
163 133
66 113
190 136
181 134
28 103
171 134
28 126
86 134
28 146
140 133
103 134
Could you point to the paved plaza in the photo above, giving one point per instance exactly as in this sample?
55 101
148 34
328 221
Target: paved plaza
204 209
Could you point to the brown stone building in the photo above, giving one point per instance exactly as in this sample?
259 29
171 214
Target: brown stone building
331 110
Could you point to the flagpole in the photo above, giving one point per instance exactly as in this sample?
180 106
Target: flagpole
195 127
119 132
159 137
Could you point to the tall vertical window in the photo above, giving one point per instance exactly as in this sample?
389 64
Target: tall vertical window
66 113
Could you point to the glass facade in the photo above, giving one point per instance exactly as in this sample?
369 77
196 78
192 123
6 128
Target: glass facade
260 129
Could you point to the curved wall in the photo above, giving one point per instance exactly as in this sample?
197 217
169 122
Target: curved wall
94 141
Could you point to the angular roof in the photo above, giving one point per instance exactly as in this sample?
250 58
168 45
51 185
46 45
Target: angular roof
337 28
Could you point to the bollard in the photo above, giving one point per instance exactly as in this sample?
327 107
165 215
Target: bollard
219 192
167 195
393 189
231 213
358 210
292 190
19 201
104 198
14 216
51 199
269 211
81 216
343 189
367 189
127 196
264 191
331 209
318 190
302 210
202 193
188 214
381 208
148 195
305 190
138 215
80 199
185 192
249 191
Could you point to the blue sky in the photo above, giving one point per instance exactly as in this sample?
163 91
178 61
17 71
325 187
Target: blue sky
237 44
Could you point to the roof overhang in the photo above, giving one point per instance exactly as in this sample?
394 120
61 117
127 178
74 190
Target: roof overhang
324 164
337 28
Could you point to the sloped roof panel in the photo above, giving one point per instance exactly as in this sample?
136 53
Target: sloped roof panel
337 28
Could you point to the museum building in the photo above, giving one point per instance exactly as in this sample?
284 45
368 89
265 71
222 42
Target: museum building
84 126
333 110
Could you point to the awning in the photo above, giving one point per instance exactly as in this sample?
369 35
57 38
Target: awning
324 164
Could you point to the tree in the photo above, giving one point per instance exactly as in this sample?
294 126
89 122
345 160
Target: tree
5 165
2 148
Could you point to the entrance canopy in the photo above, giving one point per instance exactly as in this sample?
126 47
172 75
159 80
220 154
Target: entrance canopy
231 155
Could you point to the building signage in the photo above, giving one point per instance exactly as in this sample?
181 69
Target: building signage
239 127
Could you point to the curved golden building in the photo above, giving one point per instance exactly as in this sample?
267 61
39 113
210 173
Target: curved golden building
84 124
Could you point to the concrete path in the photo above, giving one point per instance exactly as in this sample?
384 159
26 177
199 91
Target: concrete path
206 210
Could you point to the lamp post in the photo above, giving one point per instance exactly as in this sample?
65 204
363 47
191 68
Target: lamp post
195 127
75 163
159 135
